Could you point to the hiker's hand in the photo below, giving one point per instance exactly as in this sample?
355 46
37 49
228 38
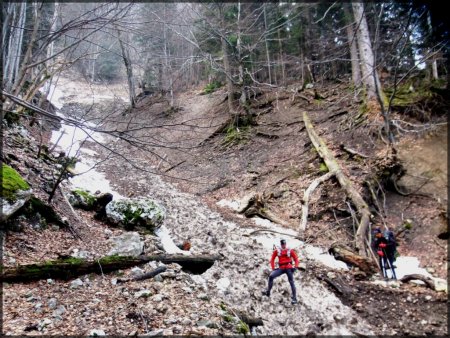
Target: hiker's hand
382 245
380 253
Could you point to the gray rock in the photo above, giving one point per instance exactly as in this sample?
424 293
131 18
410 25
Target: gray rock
60 310
207 323
144 211
52 303
136 272
127 244
76 283
50 281
143 293
97 333
10 207
157 332
158 278
157 298
203 296
186 322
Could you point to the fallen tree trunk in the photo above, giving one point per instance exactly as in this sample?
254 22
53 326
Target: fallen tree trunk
427 280
342 253
144 276
72 267
346 184
314 184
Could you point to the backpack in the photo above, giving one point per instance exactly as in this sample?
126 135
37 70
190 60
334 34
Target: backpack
288 253
389 235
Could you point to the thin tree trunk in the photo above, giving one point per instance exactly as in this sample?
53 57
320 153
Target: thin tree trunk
127 62
226 65
280 45
267 45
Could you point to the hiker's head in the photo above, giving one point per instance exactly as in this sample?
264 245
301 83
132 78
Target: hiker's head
377 233
283 243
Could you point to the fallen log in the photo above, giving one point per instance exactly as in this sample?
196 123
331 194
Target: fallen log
346 184
427 280
72 267
343 253
144 276
308 192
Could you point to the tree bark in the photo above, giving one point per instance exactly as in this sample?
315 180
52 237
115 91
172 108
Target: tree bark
346 184
72 267
129 69
370 76
314 184
343 253
428 281
351 37
226 66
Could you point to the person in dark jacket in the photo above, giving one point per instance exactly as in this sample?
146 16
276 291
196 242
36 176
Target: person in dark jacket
285 256
385 247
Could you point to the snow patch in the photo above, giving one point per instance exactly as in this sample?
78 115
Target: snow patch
223 284
233 204
167 242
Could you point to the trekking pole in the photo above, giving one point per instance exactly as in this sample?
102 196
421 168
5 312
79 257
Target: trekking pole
390 266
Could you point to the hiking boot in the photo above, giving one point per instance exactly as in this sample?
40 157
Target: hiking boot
266 293
294 301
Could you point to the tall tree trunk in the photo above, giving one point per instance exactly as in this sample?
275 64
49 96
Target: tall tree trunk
280 45
351 37
226 66
370 76
267 45
127 62
243 98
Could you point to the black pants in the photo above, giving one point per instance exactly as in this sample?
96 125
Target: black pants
277 273
388 261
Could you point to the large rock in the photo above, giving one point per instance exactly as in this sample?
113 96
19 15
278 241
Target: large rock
129 213
127 244
15 192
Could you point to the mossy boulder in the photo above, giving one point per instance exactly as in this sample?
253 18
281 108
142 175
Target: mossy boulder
82 199
15 192
131 213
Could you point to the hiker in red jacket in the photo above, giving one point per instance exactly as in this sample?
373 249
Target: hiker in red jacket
285 256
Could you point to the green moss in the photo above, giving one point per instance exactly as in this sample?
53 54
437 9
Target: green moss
113 259
242 328
408 224
228 318
323 168
236 135
86 196
11 183
212 87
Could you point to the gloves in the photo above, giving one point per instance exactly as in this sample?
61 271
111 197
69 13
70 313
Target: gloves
382 245
380 253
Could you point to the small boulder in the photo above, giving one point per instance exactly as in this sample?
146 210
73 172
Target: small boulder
97 333
130 213
14 194
127 244
76 283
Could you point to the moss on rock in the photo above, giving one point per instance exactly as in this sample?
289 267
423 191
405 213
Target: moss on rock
130 213
11 183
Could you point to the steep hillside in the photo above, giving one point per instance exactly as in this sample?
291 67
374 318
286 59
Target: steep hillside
206 168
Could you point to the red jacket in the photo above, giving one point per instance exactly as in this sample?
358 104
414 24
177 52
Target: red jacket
284 261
